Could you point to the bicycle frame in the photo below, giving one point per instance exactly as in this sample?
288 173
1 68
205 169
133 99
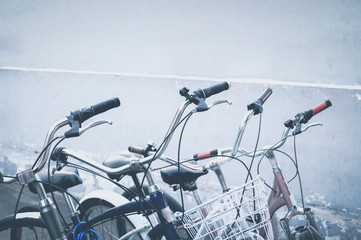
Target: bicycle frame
280 195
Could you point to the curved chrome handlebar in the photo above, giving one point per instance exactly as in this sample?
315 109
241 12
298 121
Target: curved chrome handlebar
142 161
259 152
50 137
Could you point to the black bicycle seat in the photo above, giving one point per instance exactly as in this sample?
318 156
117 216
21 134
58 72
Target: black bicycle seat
119 160
172 175
64 179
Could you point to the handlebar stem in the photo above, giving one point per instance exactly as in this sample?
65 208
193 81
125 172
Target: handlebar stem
216 168
248 116
173 125
149 178
264 149
48 139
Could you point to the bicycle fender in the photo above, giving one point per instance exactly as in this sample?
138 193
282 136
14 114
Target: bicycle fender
33 215
9 222
114 198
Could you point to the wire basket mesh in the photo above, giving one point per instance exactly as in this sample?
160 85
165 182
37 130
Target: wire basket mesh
241 213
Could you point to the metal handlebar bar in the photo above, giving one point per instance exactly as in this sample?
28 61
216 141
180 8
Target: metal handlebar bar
259 152
139 162
148 159
74 120
49 137
77 117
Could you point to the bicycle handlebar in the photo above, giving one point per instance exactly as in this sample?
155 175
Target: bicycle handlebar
207 92
136 149
265 95
305 116
312 112
157 154
78 115
148 150
257 106
86 113
200 156
300 118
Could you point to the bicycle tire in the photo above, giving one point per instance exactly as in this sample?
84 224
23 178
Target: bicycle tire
111 229
25 228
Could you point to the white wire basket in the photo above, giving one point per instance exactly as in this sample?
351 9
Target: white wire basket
241 213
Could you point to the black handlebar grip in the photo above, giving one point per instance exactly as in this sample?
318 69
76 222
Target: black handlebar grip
319 108
265 95
207 92
86 113
135 149
105 106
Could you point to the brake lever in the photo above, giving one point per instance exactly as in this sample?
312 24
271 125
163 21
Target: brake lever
219 102
311 125
207 107
94 124
299 130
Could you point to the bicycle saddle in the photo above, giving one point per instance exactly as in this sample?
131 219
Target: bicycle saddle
64 179
171 175
119 160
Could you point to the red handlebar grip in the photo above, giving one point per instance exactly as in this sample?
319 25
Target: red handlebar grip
205 155
321 107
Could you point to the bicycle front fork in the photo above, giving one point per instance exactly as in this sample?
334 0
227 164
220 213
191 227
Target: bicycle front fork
49 214
302 232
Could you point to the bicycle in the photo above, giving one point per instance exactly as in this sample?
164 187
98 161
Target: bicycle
280 194
51 221
208 220
46 222
186 176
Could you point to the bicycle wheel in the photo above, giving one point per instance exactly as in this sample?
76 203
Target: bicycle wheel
110 229
29 229
27 225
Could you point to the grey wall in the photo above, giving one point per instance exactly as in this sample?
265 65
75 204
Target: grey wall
308 41
328 155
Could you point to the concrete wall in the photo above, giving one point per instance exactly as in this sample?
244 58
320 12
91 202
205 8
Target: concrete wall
307 41
328 155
